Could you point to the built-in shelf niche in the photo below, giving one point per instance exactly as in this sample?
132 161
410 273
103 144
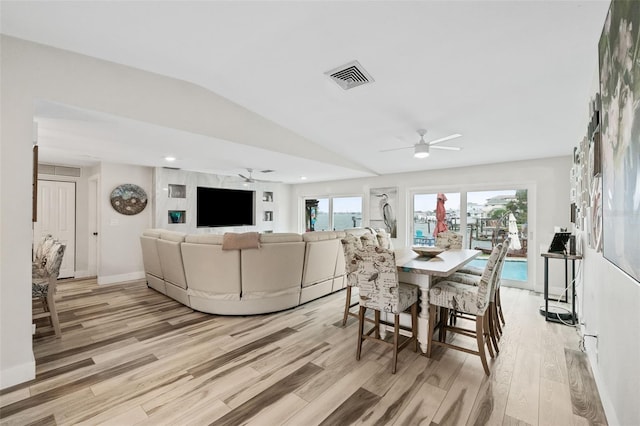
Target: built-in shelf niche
177 216
177 191
268 216
267 196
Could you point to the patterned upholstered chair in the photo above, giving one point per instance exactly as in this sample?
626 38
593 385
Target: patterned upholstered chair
384 239
369 240
43 283
468 299
350 245
380 290
470 276
449 240
39 255
468 273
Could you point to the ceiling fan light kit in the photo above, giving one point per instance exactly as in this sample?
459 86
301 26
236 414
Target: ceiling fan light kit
421 150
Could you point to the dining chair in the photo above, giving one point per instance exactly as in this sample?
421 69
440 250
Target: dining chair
470 277
468 299
40 251
472 270
43 284
350 244
380 290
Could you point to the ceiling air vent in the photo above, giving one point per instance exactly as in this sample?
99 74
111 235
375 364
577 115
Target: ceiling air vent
350 75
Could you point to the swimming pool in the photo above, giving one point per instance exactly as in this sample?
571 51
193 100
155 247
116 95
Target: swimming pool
512 270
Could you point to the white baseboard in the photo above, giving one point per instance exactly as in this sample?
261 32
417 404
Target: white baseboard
18 374
608 407
110 279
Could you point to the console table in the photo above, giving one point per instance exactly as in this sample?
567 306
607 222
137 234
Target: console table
556 317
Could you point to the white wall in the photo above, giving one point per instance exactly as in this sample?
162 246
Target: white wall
120 253
547 182
32 72
610 308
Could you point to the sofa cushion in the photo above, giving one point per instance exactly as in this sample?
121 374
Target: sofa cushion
272 268
246 240
281 237
212 272
204 239
171 262
150 256
320 261
174 236
152 233
319 236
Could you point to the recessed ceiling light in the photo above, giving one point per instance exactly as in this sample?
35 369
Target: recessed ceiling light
303 178
169 159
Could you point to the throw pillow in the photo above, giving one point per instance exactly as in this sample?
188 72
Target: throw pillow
234 241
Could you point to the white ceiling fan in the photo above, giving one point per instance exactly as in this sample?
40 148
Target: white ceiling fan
251 179
421 149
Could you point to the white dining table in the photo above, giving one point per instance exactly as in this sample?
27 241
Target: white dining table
419 270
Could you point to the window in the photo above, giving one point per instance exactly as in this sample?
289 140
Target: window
489 217
333 213
347 213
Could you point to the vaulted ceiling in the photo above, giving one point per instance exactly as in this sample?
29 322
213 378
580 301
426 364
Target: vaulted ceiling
512 77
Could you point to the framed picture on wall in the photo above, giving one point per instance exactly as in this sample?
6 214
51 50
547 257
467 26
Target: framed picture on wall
383 205
620 132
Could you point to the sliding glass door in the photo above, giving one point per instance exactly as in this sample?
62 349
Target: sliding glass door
485 218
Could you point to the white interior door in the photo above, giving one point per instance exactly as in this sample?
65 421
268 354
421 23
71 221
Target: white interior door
57 216
92 213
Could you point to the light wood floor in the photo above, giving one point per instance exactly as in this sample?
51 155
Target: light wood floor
129 355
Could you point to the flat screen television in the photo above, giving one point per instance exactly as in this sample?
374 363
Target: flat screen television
224 207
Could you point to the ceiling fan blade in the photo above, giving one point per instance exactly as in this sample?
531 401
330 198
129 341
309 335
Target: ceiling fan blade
448 148
267 181
248 179
446 138
397 149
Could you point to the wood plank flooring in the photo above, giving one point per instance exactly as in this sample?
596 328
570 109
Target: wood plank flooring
131 356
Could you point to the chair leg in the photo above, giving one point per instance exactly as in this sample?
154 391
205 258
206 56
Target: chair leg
376 315
347 306
496 318
480 341
360 330
414 325
496 321
486 332
55 322
492 326
431 325
499 306
396 336
444 317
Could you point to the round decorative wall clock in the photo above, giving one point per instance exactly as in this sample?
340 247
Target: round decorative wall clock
128 199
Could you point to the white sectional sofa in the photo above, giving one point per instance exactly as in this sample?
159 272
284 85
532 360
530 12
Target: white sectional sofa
288 269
